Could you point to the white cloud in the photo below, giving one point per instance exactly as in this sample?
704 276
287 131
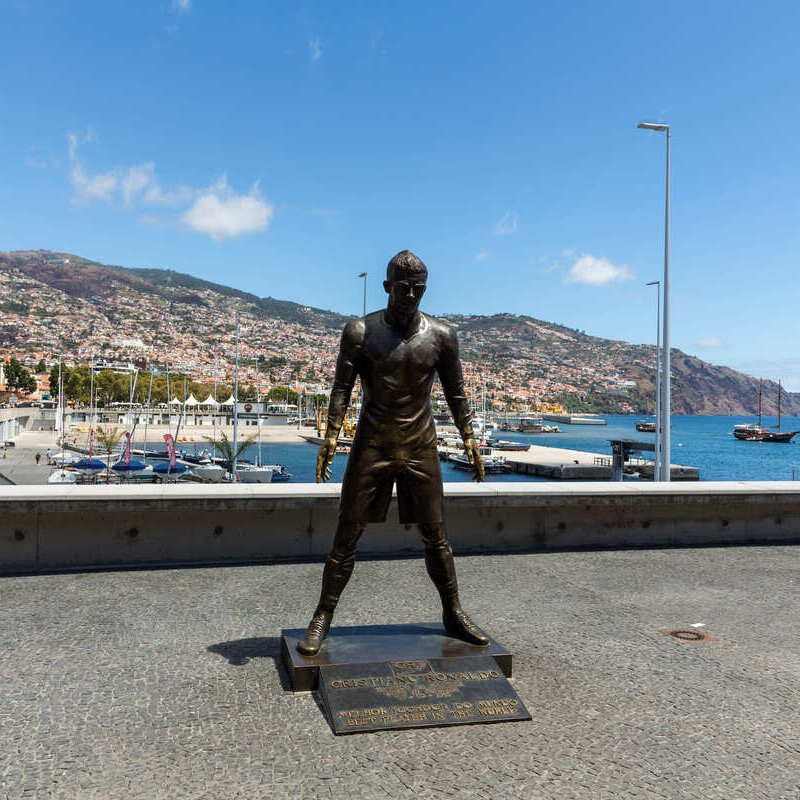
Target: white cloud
216 210
136 180
221 213
100 186
181 6
507 224
139 184
133 184
708 342
315 48
87 187
596 271
482 255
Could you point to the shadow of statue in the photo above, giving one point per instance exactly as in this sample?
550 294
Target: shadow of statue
240 652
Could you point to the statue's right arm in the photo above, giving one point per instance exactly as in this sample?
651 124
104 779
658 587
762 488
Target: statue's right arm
343 382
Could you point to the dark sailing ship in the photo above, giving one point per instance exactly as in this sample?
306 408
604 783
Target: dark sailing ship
758 433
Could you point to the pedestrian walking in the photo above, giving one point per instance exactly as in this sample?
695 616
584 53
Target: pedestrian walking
49 455
38 457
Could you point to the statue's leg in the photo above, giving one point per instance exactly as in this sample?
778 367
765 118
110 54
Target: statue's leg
338 569
442 569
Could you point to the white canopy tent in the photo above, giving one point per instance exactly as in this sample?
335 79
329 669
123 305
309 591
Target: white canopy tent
175 402
209 402
229 402
191 400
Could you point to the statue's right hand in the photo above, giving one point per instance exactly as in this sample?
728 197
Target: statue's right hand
327 450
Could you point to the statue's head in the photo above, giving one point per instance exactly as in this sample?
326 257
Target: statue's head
406 278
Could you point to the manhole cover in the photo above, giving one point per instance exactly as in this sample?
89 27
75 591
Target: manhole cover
688 635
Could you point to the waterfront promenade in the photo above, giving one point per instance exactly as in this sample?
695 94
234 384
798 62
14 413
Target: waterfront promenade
20 466
167 683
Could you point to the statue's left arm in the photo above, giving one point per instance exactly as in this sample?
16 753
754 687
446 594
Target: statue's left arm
343 382
452 378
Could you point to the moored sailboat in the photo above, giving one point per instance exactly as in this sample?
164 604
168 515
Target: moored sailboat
759 433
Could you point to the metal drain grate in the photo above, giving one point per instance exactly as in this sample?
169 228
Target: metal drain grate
688 635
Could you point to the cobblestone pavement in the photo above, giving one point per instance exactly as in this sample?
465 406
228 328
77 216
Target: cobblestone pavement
166 683
19 465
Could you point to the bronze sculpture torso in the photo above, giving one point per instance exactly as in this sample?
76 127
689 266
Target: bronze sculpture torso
397 370
396 438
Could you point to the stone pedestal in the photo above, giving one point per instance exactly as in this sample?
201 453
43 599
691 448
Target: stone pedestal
371 643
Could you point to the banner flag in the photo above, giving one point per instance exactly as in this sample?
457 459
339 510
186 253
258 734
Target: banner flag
173 461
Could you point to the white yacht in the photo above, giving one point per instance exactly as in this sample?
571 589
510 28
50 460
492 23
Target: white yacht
250 473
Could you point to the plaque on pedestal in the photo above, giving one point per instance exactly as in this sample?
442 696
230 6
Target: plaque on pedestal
434 692
381 643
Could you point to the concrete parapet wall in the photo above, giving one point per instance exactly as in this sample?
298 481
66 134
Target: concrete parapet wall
75 527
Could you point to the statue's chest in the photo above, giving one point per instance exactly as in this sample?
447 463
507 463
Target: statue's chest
412 359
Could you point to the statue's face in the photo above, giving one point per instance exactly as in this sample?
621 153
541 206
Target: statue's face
405 292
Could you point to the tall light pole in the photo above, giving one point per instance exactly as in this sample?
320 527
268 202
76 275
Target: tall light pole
657 459
665 406
364 276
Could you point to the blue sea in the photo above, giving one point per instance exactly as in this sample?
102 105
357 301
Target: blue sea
705 442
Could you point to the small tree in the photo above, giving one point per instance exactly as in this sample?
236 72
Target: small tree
17 377
224 447
108 439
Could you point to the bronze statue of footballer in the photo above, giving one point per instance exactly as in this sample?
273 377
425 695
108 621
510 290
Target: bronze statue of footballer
396 352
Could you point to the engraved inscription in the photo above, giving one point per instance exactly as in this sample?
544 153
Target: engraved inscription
418 693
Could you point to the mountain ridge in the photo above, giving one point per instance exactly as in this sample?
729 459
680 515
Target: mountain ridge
522 355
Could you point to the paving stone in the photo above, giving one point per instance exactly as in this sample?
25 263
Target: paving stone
166 683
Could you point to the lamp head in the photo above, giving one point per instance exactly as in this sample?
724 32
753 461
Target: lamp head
653 126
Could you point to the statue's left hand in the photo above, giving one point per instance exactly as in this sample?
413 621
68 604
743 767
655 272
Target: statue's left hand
474 455
325 456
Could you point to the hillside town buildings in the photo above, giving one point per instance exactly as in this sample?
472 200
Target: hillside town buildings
192 331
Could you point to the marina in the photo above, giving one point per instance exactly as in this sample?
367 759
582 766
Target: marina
701 442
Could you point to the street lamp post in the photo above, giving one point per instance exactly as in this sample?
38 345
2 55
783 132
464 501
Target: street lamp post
364 276
665 406
657 459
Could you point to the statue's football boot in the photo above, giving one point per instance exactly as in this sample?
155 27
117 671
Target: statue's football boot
315 633
458 624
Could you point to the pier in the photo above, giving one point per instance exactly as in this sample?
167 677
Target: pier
557 463
575 419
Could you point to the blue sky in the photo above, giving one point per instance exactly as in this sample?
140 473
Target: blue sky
283 148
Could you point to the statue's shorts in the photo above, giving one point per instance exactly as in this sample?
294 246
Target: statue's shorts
371 472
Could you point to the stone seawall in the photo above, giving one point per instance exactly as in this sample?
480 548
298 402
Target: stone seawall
77 527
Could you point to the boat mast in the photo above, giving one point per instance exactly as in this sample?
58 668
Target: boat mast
169 399
147 415
779 406
91 395
134 380
214 410
258 413
182 413
235 405
60 412
760 381
483 435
